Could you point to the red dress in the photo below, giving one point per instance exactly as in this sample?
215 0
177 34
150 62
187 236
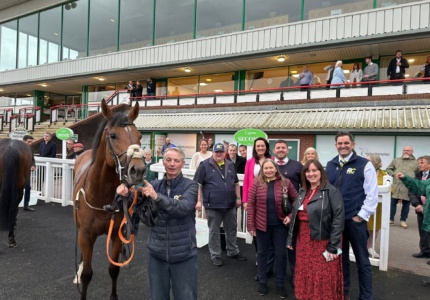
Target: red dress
315 278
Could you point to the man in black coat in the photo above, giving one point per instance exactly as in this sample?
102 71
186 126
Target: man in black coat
48 148
418 201
397 67
239 161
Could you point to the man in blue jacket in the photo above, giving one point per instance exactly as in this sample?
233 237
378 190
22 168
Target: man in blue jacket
219 187
172 262
356 179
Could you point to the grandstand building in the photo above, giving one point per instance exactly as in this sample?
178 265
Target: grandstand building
224 65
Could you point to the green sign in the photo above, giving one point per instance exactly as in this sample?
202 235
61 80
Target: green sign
64 133
75 137
247 136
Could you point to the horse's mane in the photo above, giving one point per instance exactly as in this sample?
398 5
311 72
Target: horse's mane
118 119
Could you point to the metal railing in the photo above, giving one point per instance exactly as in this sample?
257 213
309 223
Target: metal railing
73 112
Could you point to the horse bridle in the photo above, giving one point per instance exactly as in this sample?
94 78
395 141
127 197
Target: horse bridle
133 151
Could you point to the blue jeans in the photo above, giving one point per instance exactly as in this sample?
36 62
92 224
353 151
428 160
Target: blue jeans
357 234
405 209
27 190
276 235
181 277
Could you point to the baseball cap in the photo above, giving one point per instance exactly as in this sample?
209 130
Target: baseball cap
78 145
219 147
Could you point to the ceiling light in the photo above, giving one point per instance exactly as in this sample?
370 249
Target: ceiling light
407 75
208 79
112 20
296 75
29 95
293 72
1 90
187 70
203 84
101 79
44 85
281 58
218 91
411 60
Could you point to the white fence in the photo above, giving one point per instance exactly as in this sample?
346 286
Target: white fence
53 179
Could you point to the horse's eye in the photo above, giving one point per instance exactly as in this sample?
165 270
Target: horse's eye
112 135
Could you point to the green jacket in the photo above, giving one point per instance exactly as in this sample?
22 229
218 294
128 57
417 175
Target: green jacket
405 166
421 188
150 175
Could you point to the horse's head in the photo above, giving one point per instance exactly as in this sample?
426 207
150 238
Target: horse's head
122 140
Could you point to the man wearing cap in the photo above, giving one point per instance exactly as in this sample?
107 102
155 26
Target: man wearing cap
78 149
219 187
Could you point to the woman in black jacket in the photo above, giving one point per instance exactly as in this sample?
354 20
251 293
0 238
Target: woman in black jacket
317 226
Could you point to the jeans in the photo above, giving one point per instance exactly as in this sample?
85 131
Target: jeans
181 277
27 190
276 235
405 209
424 235
228 218
357 234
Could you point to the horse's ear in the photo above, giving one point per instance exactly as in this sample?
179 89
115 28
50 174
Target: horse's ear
107 113
134 112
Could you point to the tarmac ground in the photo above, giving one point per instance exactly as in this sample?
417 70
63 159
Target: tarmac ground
43 266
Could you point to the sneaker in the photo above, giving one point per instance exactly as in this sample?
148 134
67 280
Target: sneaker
238 256
403 224
282 292
263 290
373 253
217 261
391 222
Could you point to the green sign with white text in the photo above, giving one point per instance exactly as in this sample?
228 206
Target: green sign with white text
247 136
64 133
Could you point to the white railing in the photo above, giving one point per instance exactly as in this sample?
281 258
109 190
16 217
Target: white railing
53 179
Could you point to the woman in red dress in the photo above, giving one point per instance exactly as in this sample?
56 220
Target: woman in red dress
316 226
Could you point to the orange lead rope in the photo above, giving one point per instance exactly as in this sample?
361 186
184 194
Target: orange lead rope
120 234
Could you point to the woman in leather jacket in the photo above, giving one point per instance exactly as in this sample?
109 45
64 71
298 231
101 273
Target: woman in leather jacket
317 226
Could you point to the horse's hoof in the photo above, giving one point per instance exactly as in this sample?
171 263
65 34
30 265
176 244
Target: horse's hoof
13 245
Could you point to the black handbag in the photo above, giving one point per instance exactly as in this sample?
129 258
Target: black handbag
287 207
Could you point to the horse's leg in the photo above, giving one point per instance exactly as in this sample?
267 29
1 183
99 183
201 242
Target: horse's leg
77 279
114 270
12 223
86 244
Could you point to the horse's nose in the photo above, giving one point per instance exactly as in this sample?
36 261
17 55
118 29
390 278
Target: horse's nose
135 174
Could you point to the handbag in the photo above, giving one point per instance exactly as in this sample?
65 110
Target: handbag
287 207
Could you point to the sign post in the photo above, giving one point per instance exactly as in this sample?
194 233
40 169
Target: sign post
64 134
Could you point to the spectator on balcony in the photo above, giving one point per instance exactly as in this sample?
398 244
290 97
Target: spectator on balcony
150 87
329 69
28 139
137 90
130 88
242 150
426 69
338 76
200 156
70 154
370 71
356 75
287 82
397 67
310 153
305 78
315 79
48 148
78 149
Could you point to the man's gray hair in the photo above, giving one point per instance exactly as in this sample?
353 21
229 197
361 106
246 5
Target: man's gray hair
177 150
147 150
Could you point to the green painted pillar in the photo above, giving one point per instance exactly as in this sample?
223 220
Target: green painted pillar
84 101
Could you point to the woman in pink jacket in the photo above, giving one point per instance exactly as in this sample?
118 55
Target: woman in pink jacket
267 222
260 152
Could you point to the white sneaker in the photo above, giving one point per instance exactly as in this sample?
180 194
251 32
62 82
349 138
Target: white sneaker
373 253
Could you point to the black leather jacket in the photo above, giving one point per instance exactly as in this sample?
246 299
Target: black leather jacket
326 217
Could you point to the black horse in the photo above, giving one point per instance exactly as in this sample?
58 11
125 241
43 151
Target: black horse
15 167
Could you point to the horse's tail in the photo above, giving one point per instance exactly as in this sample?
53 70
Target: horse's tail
9 188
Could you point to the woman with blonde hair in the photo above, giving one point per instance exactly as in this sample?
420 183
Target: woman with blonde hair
338 76
310 153
375 159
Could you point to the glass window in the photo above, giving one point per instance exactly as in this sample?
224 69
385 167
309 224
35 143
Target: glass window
218 17
136 24
265 79
103 26
27 45
173 21
8 44
24 99
271 12
50 33
75 29
216 83
386 3
322 8
7 99
183 85
97 93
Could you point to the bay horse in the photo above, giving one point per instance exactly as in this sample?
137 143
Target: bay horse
115 157
15 167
